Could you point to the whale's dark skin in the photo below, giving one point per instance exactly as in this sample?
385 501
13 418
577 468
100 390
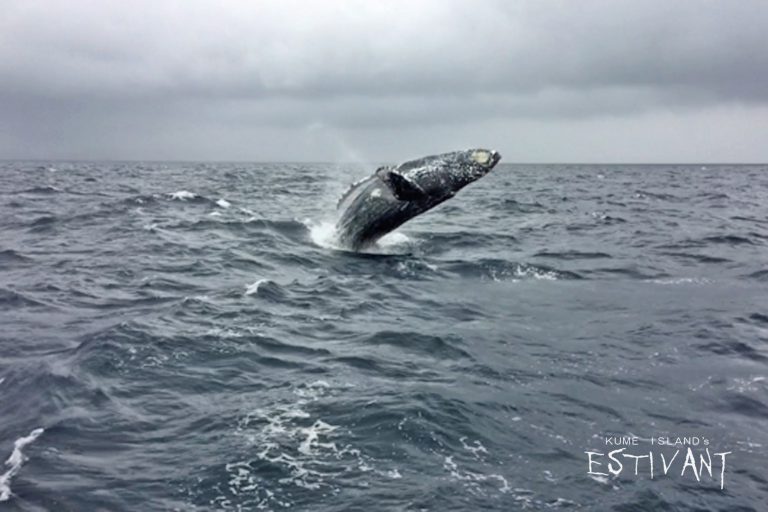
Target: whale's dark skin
376 205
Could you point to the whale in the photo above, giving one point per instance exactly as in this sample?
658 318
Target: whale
392 195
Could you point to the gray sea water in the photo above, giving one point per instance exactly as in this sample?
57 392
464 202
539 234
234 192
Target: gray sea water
185 337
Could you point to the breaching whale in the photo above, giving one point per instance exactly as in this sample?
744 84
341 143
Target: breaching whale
376 205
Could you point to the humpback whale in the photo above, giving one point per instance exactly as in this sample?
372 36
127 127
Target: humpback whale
374 206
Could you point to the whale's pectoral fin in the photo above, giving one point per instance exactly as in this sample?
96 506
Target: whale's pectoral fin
402 188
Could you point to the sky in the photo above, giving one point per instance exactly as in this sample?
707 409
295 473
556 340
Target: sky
541 81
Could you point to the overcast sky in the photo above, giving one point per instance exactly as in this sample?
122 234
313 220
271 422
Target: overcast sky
541 81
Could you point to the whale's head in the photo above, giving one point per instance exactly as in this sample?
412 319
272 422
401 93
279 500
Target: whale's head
446 174
476 162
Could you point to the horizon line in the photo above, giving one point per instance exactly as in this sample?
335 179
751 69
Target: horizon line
342 162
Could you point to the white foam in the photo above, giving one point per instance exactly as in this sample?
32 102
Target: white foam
15 461
476 448
183 195
473 478
254 287
307 450
223 203
311 442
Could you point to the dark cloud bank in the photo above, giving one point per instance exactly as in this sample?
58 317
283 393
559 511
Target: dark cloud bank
590 81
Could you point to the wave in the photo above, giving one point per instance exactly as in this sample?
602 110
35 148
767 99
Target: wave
750 219
430 345
9 256
730 240
760 275
43 224
42 190
14 299
701 258
732 348
727 239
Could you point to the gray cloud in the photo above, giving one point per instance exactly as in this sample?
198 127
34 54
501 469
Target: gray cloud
262 80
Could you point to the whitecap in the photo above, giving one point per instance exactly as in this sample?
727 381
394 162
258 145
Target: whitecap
254 287
15 461
223 203
183 195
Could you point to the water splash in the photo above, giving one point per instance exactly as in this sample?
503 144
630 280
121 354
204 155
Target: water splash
323 234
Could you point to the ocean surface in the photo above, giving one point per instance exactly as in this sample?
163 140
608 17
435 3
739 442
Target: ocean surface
185 336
